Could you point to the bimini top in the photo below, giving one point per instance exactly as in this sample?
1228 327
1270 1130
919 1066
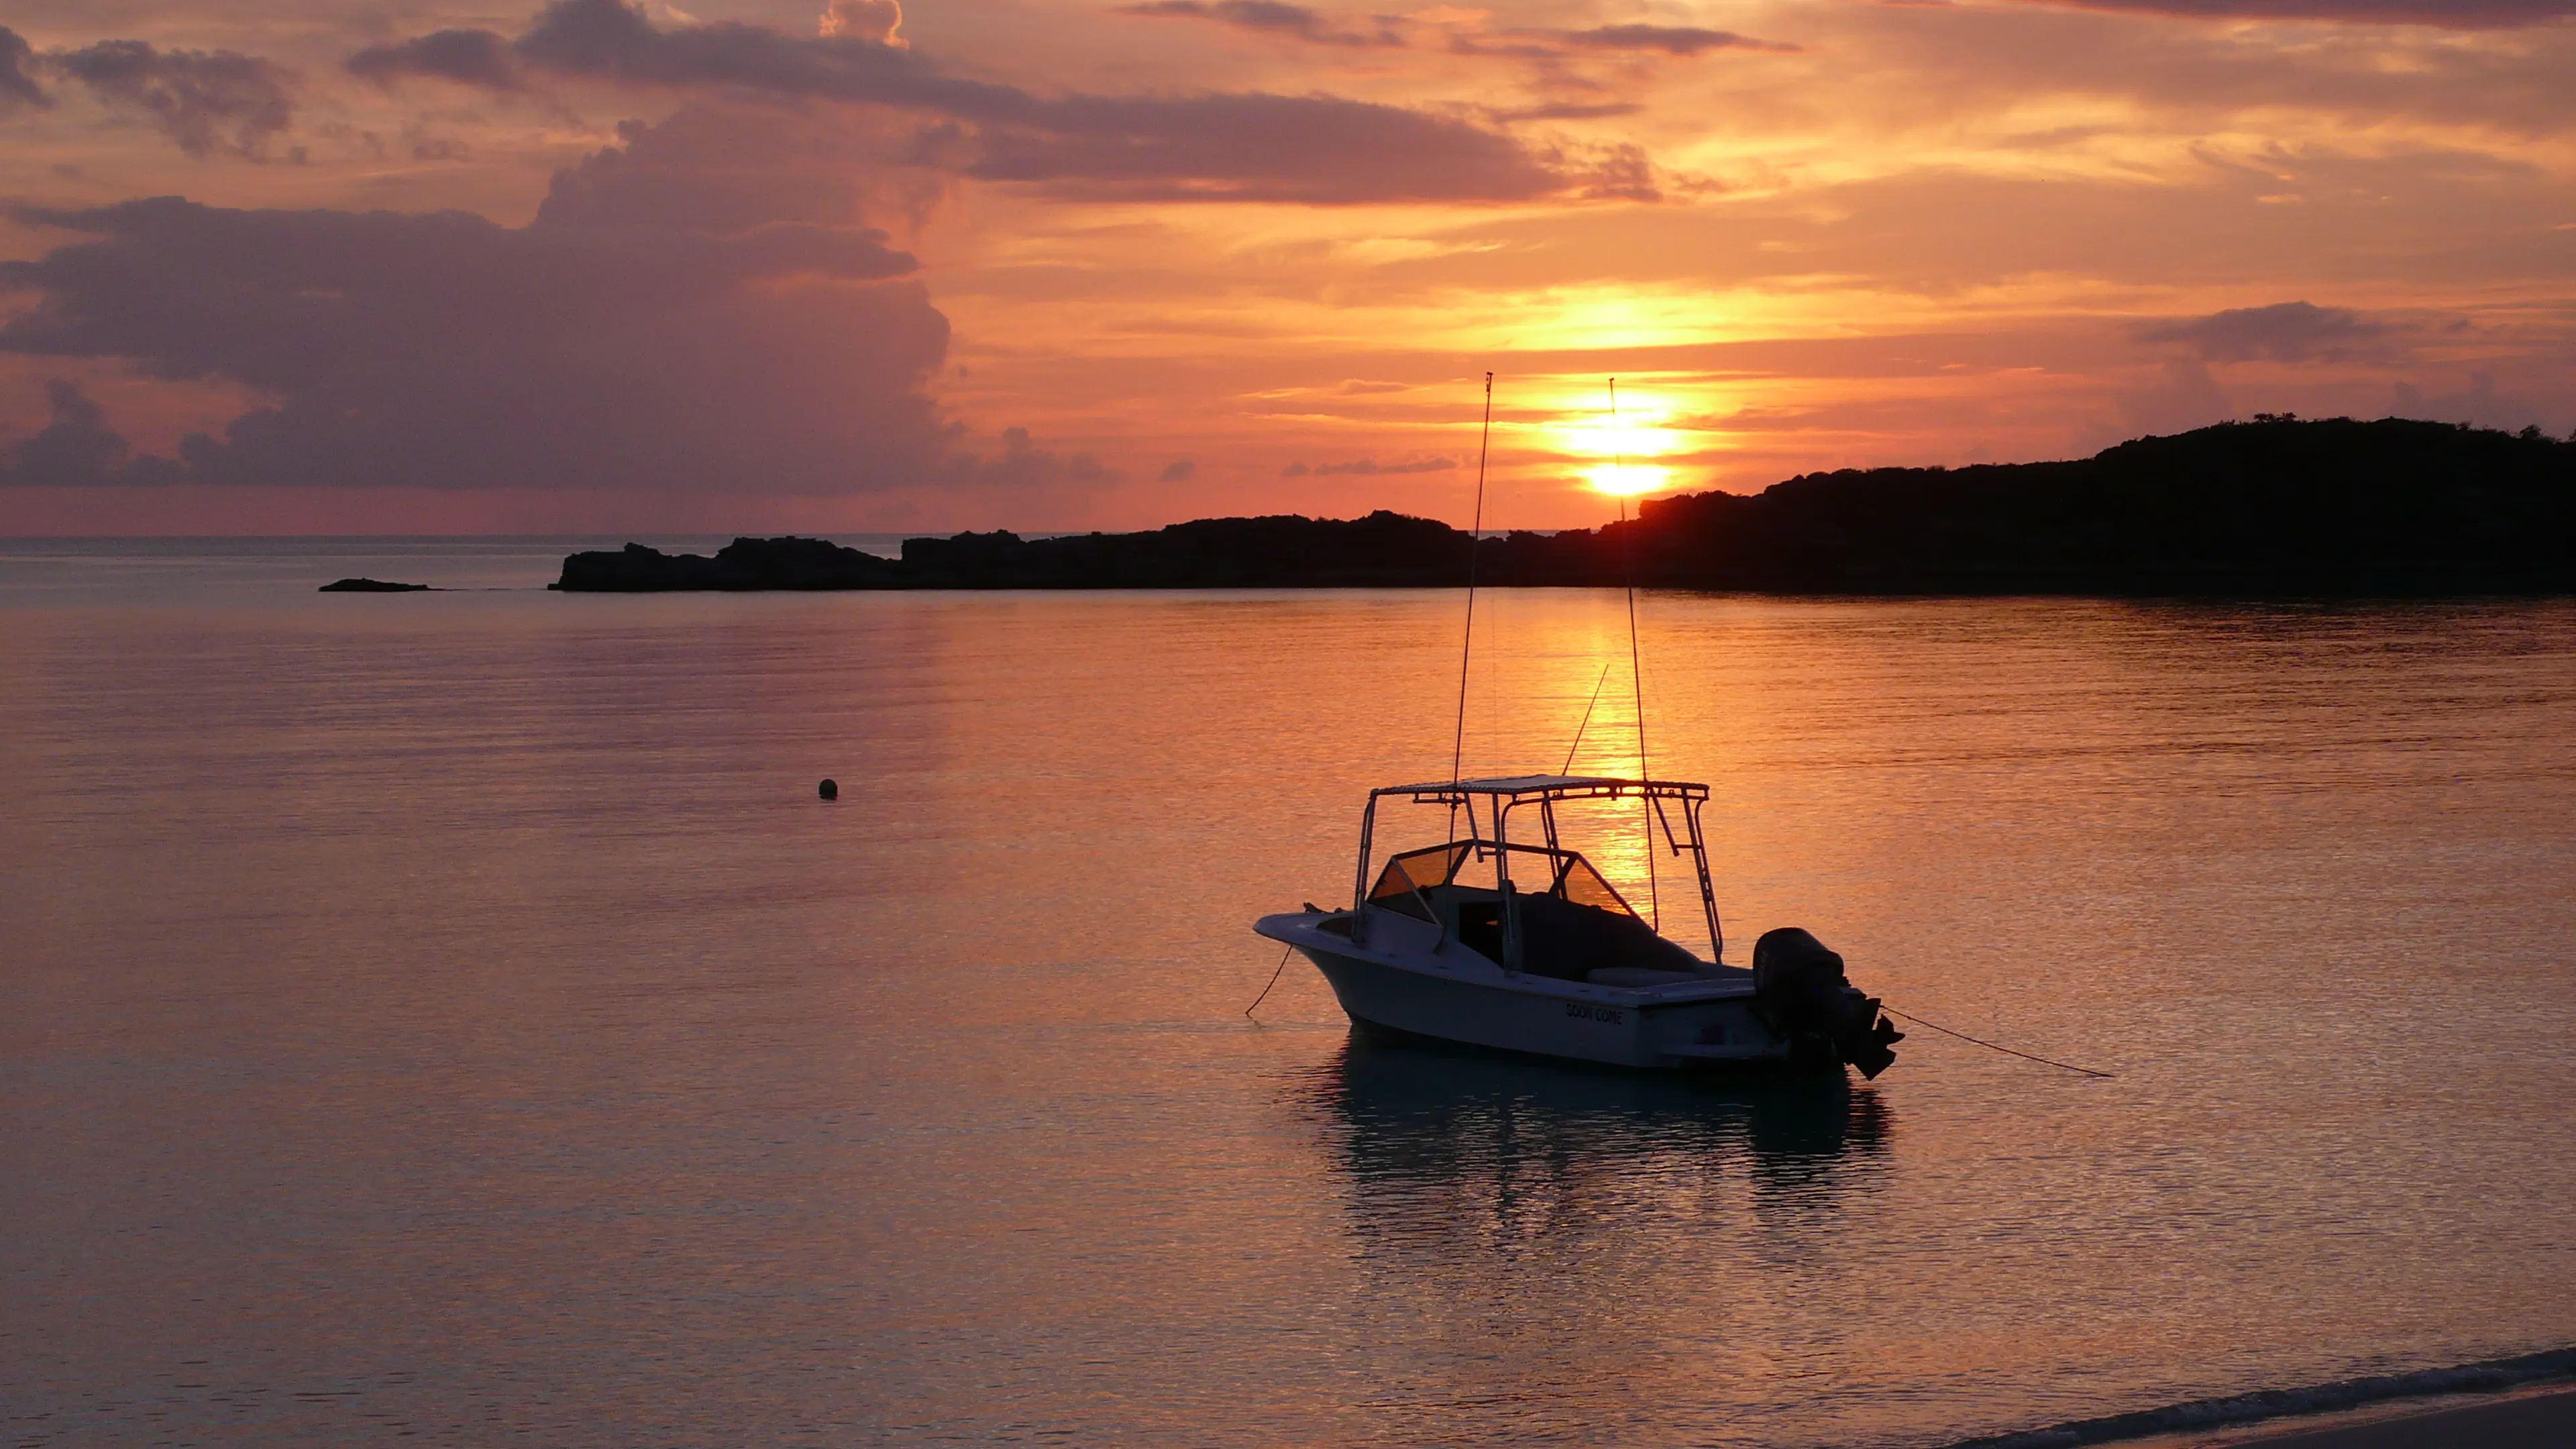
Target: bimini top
1548 787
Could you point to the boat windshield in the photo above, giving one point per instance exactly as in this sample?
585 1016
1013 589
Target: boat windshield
1417 870
1578 882
1570 876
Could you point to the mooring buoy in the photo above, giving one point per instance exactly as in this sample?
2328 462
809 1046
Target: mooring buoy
829 789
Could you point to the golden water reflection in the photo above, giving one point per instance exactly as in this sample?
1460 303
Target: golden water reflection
457 1009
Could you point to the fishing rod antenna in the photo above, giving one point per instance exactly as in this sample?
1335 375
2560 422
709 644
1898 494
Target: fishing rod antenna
1636 668
1466 647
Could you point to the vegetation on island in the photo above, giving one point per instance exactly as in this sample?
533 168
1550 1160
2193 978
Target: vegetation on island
2276 505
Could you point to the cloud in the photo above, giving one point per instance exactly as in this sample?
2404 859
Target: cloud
1319 150
1023 467
205 101
2278 100
2183 398
1216 146
2450 14
1368 468
468 57
2284 332
1670 39
77 448
1532 43
1567 111
1270 17
18 88
2479 405
819 167
1178 471
632 337
872 20
1277 18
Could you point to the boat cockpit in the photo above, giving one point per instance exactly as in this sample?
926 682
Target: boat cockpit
1547 911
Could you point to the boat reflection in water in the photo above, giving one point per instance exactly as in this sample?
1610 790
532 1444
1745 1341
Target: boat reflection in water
1584 1244
1420 1113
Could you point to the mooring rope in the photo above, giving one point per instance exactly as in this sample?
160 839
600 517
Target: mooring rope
1274 979
1990 1046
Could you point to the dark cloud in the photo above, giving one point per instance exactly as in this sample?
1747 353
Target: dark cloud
206 101
1368 468
819 166
1530 43
468 57
1272 17
18 88
1277 18
606 345
1258 147
1220 146
1023 466
2451 14
1670 39
77 448
2285 332
1568 111
2477 405
2183 397
1179 470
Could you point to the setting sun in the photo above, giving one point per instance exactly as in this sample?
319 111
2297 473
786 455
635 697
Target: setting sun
1619 451
1627 481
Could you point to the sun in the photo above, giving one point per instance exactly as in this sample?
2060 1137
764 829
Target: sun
1627 480
1621 455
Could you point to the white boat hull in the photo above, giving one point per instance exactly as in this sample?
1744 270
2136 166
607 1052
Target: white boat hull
1451 994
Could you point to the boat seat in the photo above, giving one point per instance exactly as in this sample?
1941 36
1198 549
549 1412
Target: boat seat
1571 941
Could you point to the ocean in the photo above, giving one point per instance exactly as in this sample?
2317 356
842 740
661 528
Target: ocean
454 1016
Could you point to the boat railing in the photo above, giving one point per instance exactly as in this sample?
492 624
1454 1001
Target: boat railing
1500 797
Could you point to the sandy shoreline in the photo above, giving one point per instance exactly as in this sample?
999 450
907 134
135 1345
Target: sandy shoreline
2541 1417
2511 1402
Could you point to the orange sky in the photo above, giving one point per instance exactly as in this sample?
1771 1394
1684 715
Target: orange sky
736 266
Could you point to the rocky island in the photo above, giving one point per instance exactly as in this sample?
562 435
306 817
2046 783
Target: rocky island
2276 505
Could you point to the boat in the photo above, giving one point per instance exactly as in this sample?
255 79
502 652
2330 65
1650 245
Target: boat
1524 946
1527 947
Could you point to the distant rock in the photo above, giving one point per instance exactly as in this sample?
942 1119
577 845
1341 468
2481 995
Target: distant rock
2275 506
746 564
1382 550
372 586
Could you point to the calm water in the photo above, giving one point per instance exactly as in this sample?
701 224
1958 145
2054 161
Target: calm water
453 1016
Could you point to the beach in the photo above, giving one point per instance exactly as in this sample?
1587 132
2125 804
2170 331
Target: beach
2539 1418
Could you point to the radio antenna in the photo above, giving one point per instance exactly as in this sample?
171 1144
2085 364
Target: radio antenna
1587 720
1458 744
1636 669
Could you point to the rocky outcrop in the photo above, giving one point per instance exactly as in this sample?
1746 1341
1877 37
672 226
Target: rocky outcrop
746 564
1382 550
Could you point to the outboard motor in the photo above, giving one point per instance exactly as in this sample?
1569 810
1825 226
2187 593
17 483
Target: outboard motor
1800 992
